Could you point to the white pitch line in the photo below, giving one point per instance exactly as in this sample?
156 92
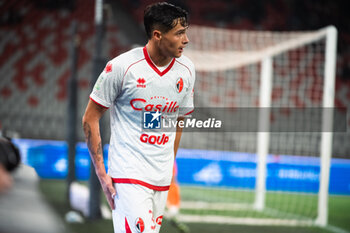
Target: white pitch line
214 206
335 229
243 221
253 221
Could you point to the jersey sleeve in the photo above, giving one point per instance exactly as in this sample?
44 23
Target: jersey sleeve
187 105
108 85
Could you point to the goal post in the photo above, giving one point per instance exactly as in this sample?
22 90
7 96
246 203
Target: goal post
263 137
266 70
326 140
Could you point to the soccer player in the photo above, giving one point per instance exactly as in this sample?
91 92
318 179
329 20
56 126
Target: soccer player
156 79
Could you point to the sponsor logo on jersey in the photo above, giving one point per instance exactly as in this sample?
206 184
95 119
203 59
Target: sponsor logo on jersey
179 85
152 139
142 105
151 120
108 68
140 225
141 83
159 220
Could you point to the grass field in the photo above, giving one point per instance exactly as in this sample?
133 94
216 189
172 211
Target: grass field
278 204
339 211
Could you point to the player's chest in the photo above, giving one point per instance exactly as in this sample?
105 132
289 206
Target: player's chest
153 87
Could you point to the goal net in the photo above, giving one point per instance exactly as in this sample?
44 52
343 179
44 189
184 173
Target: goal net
273 166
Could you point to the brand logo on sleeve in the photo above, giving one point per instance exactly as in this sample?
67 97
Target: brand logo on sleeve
108 68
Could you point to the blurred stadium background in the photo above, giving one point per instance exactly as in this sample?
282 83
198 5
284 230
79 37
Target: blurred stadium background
44 43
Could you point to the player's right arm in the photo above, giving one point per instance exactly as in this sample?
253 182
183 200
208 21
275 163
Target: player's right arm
104 93
91 126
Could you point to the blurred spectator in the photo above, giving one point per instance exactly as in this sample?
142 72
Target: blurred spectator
5 179
9 160
22 208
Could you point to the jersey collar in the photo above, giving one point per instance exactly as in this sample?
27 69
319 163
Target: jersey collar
154 67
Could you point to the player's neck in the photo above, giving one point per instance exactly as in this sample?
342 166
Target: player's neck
156 55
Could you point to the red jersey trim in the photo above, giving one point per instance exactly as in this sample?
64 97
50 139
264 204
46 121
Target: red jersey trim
98 103
189 112
154 67
139 182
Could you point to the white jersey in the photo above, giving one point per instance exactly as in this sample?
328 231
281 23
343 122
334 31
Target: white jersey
131 84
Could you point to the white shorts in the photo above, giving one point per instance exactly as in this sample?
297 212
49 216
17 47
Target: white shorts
138 209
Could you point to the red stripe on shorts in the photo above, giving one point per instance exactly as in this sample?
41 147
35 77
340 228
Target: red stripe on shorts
127 228
134 181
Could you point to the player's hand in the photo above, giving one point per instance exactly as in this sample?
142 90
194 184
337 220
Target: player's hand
5 179
108 189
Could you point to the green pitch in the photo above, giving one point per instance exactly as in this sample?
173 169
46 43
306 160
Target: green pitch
278 204
282 205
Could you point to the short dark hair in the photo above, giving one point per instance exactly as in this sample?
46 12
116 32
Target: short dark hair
162 16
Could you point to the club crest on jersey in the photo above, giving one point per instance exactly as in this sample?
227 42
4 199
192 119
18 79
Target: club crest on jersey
108 68
179 85
140 225
141 83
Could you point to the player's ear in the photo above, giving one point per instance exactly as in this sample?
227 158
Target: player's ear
157 34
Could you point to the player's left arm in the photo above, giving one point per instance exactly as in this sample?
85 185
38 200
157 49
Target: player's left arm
178 135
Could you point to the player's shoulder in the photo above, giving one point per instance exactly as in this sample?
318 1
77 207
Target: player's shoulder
186 62
124 60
